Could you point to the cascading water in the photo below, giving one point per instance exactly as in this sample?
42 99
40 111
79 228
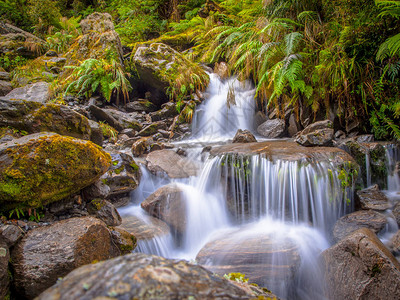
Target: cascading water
277 213
230 107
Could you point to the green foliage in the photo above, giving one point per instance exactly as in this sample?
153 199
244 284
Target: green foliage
9 62
238 277
98 76
61 40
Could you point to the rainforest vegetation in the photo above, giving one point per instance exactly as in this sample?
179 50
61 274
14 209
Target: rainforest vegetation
317 56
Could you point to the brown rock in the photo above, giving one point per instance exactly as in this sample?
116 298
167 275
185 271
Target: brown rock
167 204
373 198
255 256
10 234
4 277
47 253
361 267
167 161
104 211
316 134
145 277
360 219
144 230
125 241
5 87
142 146
244 136
396 212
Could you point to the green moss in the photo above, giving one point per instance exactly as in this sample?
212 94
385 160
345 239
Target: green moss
119 170
98 203
49 169
134 166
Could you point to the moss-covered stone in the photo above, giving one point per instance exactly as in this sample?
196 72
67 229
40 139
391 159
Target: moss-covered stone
42 168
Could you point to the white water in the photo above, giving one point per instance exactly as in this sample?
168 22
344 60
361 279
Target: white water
214 120
297 201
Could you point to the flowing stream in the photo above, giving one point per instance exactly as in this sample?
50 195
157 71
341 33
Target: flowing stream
267 218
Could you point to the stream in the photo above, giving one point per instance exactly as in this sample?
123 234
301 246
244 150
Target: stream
268 217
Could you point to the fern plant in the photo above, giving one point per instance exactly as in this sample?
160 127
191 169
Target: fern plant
98 75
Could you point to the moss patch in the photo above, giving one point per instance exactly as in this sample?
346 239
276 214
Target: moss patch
48 169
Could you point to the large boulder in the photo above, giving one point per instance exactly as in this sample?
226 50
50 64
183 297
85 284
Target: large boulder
4 275
170 163
168 204
38 92
255 256
361 267
272 128
360 219
158 66
316 134
46 167
50 252
373 198
34 117
146 277
98 38
5 87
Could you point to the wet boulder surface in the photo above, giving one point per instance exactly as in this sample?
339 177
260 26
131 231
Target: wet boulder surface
50 252
141 276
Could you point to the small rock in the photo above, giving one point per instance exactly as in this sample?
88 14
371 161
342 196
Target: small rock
140 105
4 275
5 76
104 211
244 136
373 198
38 92
272 128
125 241
316 134
51 53
129 132
10 234
5 87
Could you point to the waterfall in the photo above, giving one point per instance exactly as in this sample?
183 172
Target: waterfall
392 152
230 106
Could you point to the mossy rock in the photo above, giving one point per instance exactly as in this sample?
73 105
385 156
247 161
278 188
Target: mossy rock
39 169
34 117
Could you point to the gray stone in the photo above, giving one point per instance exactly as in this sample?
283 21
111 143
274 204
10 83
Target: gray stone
373 198
170 163
104 211
5 76
361 267
5 87
49 252
10 234
272 128
38 92
360 219
145 277
316 134
4 276
140 105
244 136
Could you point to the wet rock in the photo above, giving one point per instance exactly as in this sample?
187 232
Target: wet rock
102 115
10 234
316 134
272 128
142 146
144 228
361 267
42 168
4 275
154 63
34 117
285 150
126 120
339 135
373 198
370 157
396 212
294 125
360 219
140 105
104 211
96 190
129 132
5 87
168 111
366 138
96 134
38 92
259 118
152 128
50 252
167 204
170 163
51 53
255 256
123 176
5 76
125 241
144 276
222 70
244 136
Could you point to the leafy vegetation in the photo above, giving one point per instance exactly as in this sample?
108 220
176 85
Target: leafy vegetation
322 56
